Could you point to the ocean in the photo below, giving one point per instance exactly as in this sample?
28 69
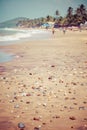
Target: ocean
13 35
16 35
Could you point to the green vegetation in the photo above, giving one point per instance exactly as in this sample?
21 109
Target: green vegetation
72 18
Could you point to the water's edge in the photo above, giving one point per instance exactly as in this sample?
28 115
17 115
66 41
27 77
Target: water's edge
5 57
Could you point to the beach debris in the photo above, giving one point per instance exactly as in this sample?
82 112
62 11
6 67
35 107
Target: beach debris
28 94
71 108
27 102
70 92
66 98
65 107
3 78
72 127
56 116
30 73
73 98
61 109
44 104
82 108
15 97
11 101
52 65
75 103
36 128
21 126
50 121
36 118
16 106
85 119
73 83
61 81
85 102
23 94
72 118
50 77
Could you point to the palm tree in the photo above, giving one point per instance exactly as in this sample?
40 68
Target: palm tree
70 11
69 16
48 18
81 14
57 14
82 9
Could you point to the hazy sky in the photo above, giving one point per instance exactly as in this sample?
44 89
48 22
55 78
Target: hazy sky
10 9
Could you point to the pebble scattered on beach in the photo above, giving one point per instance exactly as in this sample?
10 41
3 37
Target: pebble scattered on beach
46 93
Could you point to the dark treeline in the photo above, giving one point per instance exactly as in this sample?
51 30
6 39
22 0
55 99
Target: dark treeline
72 18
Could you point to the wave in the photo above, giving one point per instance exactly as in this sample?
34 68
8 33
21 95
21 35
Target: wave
24 30
16 36
12 34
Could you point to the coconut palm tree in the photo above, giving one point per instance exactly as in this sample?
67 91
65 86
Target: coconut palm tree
81 14
56 14
82 9
69 16
70 11
48 18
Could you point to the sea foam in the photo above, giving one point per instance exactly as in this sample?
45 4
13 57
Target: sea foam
14 34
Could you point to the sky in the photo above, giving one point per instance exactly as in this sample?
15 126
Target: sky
10 9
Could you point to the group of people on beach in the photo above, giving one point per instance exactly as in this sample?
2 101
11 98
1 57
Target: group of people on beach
53 30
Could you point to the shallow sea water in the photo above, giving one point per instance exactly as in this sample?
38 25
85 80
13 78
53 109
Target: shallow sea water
10 36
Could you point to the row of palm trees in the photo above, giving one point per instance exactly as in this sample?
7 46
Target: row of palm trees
72 18
80 15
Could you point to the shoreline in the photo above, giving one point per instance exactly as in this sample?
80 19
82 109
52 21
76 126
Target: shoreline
45 85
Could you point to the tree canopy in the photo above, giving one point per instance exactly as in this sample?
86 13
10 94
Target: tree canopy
72 18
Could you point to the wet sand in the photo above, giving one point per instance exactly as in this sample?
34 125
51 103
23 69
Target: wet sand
45 85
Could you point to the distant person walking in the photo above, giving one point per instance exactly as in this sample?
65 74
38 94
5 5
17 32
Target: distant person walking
53 31
64 30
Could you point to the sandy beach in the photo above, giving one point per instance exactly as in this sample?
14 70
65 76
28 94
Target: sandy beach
45 85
